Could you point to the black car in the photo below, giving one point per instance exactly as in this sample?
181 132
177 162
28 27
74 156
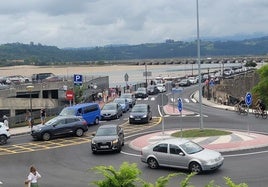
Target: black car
152 90
111 111
140 113
141 93
60 126
108 138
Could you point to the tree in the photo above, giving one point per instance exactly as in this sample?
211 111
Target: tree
261 89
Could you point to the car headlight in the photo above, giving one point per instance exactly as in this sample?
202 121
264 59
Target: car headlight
144 116
131 116
115 141
93 142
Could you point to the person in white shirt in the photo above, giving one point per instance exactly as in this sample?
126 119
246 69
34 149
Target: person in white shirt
32 179
6 121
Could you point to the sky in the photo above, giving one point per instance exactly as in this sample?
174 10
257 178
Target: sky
90 23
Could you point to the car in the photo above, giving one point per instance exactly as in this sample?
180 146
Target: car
4 133
53 79
141 93
161 87
91 112
123 102
193 80
111 111
181 153
60 126
152 90
130 98
108 137
140 113
184 82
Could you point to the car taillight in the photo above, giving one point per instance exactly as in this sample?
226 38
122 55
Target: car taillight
84 123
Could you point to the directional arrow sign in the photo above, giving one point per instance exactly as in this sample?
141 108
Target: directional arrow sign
248 99
180 104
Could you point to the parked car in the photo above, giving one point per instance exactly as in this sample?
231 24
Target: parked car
193 80
130 98
181 153
4 133
91 112
141 93
140 113
111 111
152 90
123 102
184 82
161 87
16 79
60 126
108 138
53 79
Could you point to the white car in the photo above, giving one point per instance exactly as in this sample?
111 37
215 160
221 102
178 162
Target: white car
4 133
181 153
161 87
193 80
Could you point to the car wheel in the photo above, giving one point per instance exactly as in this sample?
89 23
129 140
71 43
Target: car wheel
79 132
152 163
46 136
97 121
3 139
195 167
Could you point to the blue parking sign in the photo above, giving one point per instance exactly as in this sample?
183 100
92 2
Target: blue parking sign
78 79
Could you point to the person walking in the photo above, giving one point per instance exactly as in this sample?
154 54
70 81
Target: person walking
32 179
43 115
28 118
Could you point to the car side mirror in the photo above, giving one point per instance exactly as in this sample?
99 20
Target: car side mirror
181 154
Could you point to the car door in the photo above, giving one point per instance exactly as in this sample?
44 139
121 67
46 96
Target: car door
177 157
160 152
60 127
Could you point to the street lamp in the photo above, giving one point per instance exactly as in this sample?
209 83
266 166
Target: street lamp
30 89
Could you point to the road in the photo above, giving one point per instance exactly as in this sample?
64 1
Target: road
68 161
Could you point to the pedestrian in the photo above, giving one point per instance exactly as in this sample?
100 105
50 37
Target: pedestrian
28 118
32 179
43 116
5 118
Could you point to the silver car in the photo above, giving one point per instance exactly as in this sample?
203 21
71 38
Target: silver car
181 153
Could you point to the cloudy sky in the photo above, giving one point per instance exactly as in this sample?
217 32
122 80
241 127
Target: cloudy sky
87 23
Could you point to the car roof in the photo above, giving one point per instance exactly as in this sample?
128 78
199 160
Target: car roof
83 105
108 126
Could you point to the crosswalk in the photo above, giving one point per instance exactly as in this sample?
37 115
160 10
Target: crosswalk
152 98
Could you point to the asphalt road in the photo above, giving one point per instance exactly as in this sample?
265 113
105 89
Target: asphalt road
71 165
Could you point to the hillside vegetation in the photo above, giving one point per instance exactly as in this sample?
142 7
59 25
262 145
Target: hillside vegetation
43 55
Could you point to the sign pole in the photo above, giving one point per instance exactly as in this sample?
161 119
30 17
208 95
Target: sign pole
180 106
248 101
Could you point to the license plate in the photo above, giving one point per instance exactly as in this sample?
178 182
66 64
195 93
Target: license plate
137 118
104 146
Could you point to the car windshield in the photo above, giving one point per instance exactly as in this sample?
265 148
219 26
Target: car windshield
108 107
191 147
106 131
139 109
120 101
68 112
126 96
52 121
141 89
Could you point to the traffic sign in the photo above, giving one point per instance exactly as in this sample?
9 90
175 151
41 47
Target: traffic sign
78 79
180 104
69 95
248 99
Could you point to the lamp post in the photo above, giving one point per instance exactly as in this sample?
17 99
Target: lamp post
30 89
208 82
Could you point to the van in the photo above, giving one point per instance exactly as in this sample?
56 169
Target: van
89 111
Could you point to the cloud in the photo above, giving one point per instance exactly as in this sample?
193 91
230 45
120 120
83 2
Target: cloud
83 23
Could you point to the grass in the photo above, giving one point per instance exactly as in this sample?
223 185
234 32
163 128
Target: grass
193 133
